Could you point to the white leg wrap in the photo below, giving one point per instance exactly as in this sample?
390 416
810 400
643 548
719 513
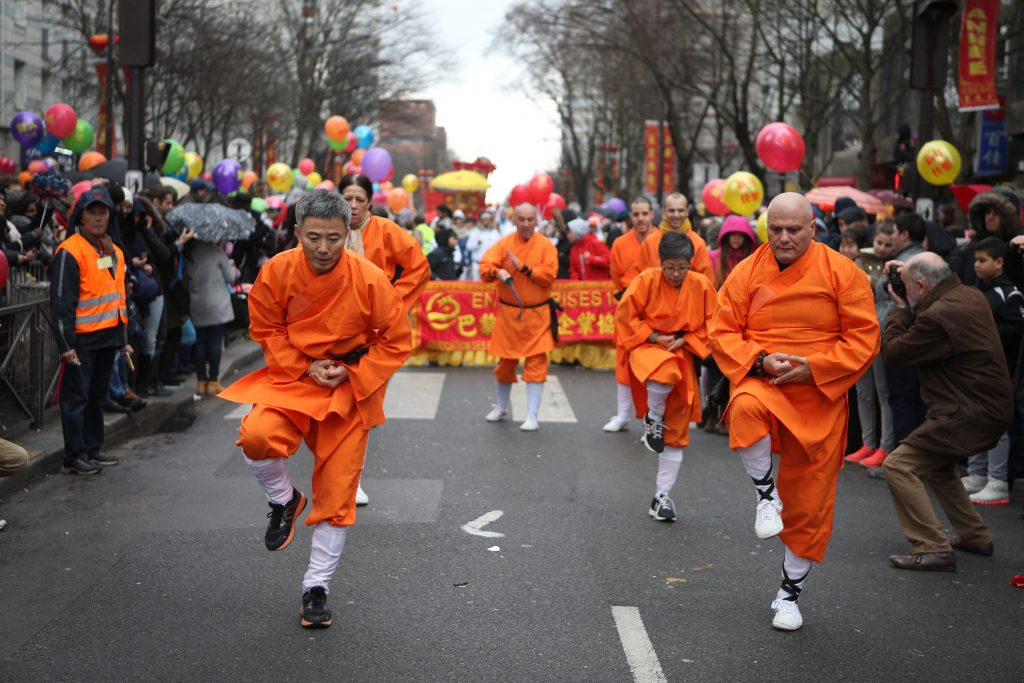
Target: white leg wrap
656 395
794 573
324 555
669 463
624 401
757 461
272 474
504 391
534 390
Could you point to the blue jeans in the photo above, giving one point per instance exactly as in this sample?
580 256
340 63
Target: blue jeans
207 351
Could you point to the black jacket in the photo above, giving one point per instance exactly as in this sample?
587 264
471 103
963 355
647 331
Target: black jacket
1007 303
442 263
64 279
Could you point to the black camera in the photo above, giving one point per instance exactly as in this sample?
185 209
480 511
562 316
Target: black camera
896 283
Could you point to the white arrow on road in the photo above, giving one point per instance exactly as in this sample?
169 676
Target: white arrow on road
476 526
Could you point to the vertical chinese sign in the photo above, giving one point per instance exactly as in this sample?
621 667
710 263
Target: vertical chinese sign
977 82
651 157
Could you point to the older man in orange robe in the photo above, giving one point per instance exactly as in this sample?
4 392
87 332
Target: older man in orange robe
623 257
524 264
794 329
333 331
662 321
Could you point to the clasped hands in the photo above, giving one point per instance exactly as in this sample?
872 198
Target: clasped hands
326 373
786 369
670 342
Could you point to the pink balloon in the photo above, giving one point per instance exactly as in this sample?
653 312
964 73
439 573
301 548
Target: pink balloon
60 120
327 185
379 198
78 189
780 147
306 166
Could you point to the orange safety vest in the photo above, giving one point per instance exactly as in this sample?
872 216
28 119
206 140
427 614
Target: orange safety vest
102 301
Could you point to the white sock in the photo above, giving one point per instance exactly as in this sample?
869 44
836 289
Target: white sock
534 390
757 461
624 399
504 391
324 555
794 572
272 474
668 469
656 395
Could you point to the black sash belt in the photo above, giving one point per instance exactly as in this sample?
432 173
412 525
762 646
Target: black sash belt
352 357
554 307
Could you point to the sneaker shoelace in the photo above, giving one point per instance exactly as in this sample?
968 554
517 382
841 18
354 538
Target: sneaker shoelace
276 515
656 429
763 513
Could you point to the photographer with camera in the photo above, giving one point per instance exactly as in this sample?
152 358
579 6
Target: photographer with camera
946 331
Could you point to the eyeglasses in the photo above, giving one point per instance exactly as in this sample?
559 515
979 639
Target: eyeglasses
676 270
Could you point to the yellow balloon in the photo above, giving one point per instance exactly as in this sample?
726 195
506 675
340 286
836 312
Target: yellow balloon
762 227
743 193
194 164
314 179
410 183
279 177
938 162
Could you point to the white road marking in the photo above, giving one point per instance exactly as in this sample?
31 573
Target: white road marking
640 654
413 395
239 412
475 527
554 404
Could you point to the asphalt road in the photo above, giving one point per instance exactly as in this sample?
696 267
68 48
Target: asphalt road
156 568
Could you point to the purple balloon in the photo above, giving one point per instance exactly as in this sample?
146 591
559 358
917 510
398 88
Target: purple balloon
225 176
376 164
615 204
27 128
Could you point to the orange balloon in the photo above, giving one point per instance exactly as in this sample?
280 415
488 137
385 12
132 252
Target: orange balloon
248 178
336 128
398 199
357 156
91 159
25 177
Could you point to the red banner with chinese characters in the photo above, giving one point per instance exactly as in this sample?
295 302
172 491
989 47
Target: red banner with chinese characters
977 83
459 316
650 157
668 151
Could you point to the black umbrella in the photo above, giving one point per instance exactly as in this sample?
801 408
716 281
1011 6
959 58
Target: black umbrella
212 222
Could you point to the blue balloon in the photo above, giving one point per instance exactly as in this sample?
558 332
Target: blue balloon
47 144
364 136
376 187
182 175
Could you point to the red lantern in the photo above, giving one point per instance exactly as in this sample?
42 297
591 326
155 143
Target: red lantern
520 194
712 197
541 186
555 201
780 147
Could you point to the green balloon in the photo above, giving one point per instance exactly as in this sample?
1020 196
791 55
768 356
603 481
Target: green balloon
175 158
259 204
80 139
338 146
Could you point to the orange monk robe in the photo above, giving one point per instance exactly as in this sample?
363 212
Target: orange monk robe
624 253
298 317
531 335
650 305
821 308
648 256
388 246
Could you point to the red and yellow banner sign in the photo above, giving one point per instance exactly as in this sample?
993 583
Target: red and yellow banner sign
650 157
668 151
459 316
977 83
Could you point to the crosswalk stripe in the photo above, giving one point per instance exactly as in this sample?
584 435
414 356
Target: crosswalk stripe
413 395
554 404
640 654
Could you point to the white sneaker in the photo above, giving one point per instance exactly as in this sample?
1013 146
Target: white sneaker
497 414
787 616
361 497
768 521
617 424
529 425
995 493
974 482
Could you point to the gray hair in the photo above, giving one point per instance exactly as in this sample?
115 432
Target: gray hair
322 204
931 271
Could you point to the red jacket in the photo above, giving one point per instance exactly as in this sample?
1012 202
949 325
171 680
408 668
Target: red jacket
596 267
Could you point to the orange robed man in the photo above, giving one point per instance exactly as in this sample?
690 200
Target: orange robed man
524 264
385 244
333 331
675 220
793 330
625 251
662 321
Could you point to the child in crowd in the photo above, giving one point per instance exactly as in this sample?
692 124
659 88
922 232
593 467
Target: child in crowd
662 321
873 384
851 241
986 478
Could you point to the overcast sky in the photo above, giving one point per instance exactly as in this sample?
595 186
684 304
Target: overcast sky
477 103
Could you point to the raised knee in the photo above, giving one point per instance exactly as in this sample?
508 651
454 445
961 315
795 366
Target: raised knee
256 443
747 404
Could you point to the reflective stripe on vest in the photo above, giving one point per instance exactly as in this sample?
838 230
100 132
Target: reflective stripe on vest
102 302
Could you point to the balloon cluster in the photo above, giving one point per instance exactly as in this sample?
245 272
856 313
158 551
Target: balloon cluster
539 191
49 185
60 125
741 193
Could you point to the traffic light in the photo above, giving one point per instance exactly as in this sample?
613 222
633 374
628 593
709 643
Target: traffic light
137 32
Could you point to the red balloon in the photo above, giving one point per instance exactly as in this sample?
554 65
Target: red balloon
520 194
712 197
5 269
352 142
555 201
60 120
541 186
780 147
7 165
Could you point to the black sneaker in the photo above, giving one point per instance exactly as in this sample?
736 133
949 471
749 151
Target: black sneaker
112 406
662 508
282 521
105 459
132 403
654 434
314 610
80 465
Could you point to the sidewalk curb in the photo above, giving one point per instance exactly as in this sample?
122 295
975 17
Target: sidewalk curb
46 446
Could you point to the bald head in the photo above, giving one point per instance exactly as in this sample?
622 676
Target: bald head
790 227
525 219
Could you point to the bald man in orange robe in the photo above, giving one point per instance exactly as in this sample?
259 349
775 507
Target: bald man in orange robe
625 251
333 331
662 321
675 220
524 264
793 330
